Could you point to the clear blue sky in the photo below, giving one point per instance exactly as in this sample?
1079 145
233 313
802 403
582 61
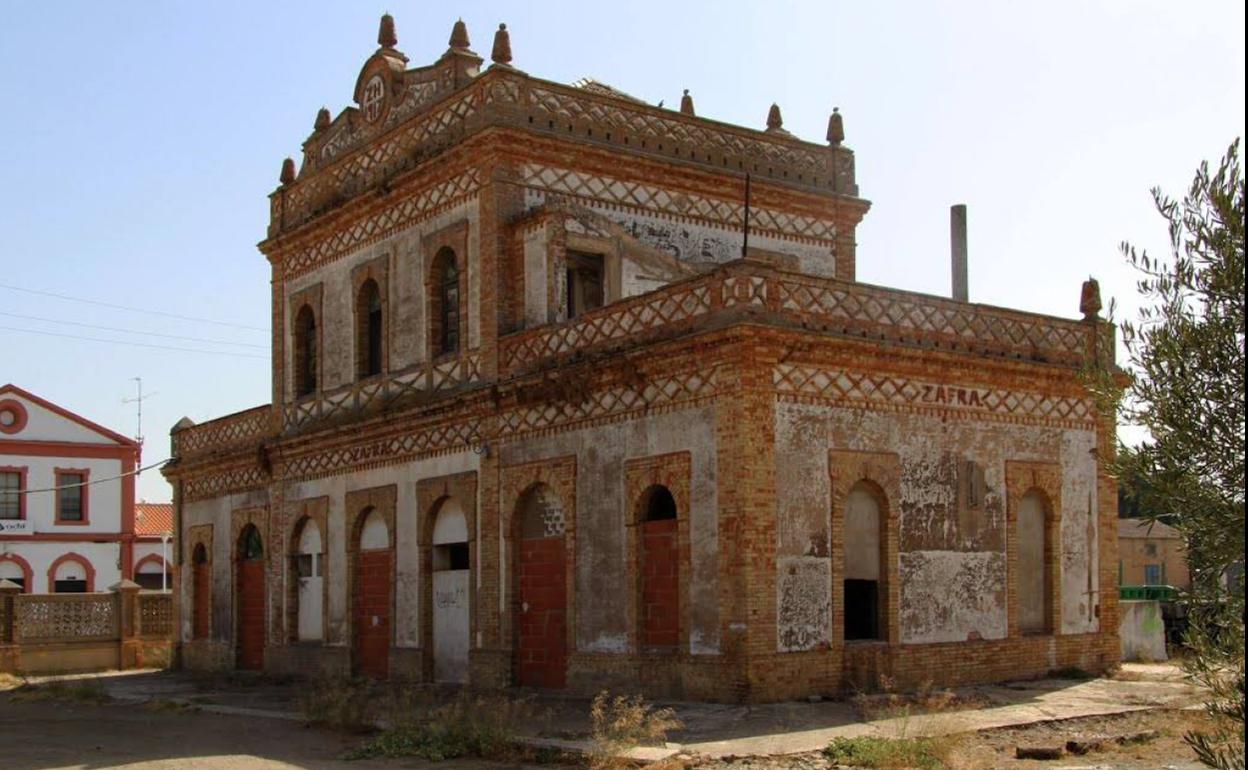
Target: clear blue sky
139 141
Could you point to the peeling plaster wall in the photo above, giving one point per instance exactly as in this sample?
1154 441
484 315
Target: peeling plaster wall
698 243
952 561
536 312
601 511
406 324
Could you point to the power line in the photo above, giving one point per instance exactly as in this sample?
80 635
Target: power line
131 309
133 331
134 472
134 344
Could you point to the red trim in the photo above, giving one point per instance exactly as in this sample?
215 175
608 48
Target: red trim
19 416
67 537
11 446
151 557
128 466
83 421
86 565
85 473
20 470
26 571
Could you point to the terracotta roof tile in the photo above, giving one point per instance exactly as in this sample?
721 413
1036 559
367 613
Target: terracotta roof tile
153 518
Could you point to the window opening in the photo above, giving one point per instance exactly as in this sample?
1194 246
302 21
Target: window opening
451 556
69 496
10 495
585 282
448 303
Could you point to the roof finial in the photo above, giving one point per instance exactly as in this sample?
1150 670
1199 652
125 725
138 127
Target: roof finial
836 128
774 121
502 46
459 36
1090 299
322 119
386 38
288 171
686 104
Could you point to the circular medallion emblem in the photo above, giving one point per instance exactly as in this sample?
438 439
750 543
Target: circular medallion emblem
12 416
373 102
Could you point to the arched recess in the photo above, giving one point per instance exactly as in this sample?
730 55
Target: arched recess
370 330
1035 555
307 566
249 590
201 592
865 564
446 293
307 352
17 570
540 589
658 571
152 573
450 608
71 573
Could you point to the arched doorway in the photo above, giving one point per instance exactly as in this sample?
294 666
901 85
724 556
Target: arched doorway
864 597
152 574
659 571
310 584
541 599
201 577
451 571
371 606
249 587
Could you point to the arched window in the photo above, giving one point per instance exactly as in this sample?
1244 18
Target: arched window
250 546
370 330
1033 560
201 577
444 281
864 557
660 505
309 582
305 352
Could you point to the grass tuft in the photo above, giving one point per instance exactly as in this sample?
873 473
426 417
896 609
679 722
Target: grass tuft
888 753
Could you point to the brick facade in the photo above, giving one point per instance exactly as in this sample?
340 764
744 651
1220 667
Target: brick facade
760 392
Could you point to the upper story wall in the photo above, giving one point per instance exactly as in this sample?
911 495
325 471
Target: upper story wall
44 447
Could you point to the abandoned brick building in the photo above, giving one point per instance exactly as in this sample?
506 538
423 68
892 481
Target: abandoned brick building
540 417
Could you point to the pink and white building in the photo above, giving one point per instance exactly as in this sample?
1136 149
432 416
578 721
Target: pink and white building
67 504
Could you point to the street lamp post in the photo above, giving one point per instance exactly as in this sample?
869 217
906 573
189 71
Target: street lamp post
164 560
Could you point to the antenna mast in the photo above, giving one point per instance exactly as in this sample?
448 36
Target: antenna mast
138 401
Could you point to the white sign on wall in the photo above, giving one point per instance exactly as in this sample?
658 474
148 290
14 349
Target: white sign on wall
16 527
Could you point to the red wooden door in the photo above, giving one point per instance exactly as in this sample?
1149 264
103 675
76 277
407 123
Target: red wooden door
660 586
201 587
541 648
371 616
251 614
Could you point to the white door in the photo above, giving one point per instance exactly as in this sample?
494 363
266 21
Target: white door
450 594
311 584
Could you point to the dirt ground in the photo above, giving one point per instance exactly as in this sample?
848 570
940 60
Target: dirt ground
136 722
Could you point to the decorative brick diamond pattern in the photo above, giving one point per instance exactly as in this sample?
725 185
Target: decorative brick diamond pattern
617 321
660 392
579 108
404 213
603 189
393 449
223 482
1001 332
354 173
860 388
249 427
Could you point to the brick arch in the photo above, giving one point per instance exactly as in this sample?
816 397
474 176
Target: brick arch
200 537
359 504
27 573
1021 479
74 557
431 495
315 510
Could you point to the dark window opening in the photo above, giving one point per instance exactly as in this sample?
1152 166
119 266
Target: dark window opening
200 556
250 546
152 581
447 310
452 556
75 586
660 505
862 609
585 282
69 496
370 320
305 352
10 495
